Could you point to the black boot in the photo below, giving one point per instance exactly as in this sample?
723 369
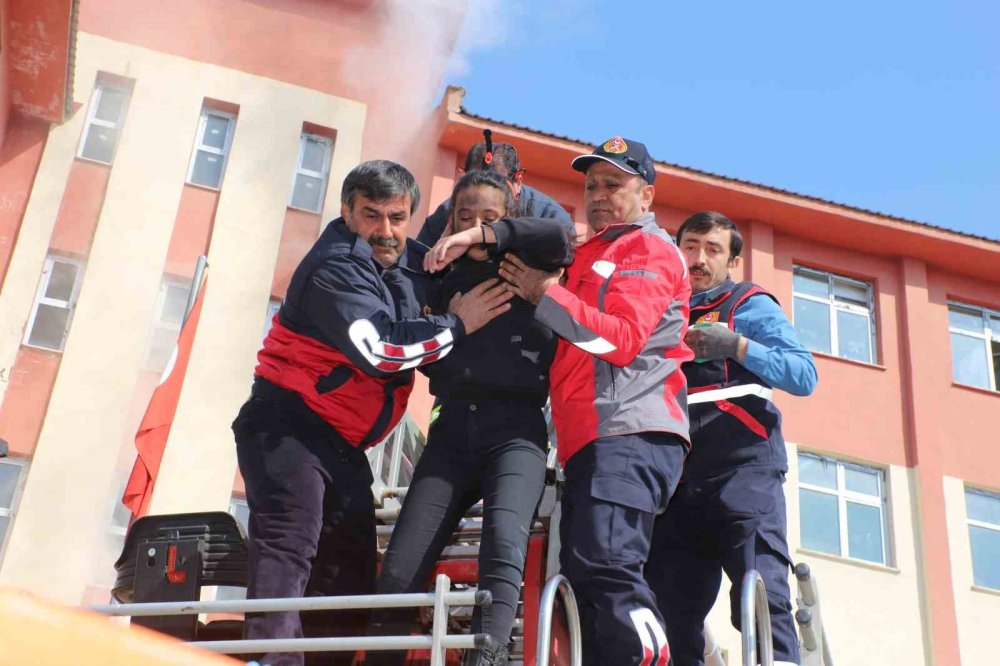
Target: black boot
492 653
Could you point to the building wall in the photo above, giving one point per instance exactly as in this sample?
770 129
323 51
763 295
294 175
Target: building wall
87 421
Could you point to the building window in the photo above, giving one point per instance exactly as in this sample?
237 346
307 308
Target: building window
215 136
12 474
104 122
842 508
170 306
54 302
984 533
975 345
311 173
273 306
241 511
834 314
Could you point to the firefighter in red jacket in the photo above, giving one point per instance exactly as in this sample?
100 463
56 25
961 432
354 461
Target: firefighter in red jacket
618 399
333 378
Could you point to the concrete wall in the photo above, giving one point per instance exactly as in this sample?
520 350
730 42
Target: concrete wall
64 513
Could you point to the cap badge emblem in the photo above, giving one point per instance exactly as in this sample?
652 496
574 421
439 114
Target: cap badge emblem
616 146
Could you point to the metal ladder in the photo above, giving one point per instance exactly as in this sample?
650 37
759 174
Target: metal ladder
815 646
438 641
755 623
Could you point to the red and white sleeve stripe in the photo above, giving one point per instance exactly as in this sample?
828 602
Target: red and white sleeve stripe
389 357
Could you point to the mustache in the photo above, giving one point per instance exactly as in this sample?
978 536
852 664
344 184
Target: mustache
698 268
382 241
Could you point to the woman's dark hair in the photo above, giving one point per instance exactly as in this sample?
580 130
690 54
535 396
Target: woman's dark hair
705 221
492 179
504 152
379 180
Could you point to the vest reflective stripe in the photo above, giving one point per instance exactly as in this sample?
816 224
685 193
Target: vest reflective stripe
730 392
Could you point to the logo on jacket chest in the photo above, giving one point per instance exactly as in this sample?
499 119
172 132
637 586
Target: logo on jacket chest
709 318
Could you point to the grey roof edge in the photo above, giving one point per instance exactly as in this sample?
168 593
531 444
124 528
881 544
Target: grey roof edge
769 188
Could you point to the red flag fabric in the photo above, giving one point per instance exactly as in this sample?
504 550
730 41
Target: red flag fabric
151 438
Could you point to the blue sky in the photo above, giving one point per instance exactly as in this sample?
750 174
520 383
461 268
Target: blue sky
892 106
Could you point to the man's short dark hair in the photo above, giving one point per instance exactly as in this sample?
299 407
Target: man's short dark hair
380 180
505 152
492 179
705 221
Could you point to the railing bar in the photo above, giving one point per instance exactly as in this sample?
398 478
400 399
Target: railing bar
755 621
339 644
439 626
558 584
416 600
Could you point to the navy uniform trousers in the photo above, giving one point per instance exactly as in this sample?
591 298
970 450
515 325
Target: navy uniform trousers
732 522
494 451
616 489
312 524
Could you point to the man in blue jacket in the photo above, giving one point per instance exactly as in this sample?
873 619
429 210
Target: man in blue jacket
728 513
502 159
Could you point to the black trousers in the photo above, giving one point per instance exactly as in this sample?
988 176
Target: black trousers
731 522
491 451
616 490
312 524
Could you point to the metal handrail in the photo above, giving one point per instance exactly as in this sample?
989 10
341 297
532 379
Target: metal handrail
755 620
558 584
438 642
350 644
355 602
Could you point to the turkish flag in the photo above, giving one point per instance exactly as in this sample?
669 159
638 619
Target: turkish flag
151 438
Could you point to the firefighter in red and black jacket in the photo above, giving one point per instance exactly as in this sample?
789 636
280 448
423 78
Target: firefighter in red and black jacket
333 378
618 399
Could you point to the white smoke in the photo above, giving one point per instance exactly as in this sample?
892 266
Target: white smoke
420 45
488 25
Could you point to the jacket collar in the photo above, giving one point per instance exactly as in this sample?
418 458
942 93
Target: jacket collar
361 249
614 231
713 293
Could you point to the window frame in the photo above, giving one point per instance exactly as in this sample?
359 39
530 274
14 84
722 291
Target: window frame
42 299
273 306
158 324
971 522
844 495
302 171
92 119
11 512
986 336
199 144
834 305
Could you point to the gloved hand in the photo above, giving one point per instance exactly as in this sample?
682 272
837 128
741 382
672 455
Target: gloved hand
713 342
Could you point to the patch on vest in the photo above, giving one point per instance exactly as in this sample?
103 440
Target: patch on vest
709 318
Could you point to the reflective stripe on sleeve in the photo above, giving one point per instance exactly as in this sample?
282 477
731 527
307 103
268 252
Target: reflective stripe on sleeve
730 392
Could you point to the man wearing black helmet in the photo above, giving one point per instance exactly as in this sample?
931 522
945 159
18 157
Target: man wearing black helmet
502 158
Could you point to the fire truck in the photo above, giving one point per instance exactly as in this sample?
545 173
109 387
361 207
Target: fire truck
176 576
